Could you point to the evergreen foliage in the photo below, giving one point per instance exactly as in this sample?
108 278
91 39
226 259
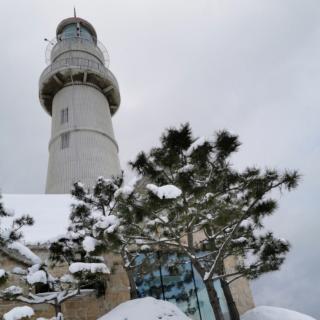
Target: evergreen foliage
218 212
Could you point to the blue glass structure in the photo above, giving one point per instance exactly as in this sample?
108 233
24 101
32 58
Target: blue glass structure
171 277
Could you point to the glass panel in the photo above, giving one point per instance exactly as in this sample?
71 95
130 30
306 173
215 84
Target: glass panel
171 277
205 306
70 31
147 277
222 300
85 34
179 284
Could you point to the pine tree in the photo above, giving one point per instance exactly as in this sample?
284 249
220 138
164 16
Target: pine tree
192 201
195 202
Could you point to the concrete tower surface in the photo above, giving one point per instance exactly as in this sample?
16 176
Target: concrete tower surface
81 94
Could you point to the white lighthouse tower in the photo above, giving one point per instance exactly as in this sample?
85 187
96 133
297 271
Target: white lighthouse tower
81 94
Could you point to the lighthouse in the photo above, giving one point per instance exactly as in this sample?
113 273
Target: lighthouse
81 94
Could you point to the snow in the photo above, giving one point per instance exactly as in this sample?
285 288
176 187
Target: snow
18 270
240 240
89 267
168 191
109 223
274 313
124 192
198 143
2 273
67 278
47 211
89 244
26 252
18 313
245 223
145 309
186 168
13 290
37 277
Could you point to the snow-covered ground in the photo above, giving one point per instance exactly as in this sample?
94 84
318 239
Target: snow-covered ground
145 309
152 309
273 313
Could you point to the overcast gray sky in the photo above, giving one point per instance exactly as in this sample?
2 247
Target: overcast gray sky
251 66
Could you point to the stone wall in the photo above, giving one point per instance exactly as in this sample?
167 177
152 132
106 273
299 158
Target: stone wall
83 307
240 288
117 290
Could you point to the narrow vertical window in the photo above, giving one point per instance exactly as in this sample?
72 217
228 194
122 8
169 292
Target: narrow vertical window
65 137
64 116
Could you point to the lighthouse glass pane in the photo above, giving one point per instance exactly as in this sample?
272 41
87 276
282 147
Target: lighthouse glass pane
171 277
85 34
70 31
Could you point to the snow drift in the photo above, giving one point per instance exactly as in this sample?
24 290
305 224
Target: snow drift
273 313
145 309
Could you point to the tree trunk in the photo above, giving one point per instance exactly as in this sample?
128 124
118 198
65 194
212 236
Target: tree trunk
58 309
234 313
133 288
214 300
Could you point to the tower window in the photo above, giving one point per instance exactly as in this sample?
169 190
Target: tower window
64 116
65 137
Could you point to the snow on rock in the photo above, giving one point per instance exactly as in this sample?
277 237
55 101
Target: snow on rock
145 309
274 313
168 191
23 250
198 143
89 244
13 290
37 277
18 270
2 273
19 313
88 267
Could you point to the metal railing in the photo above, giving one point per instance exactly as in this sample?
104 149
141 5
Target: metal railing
88 44
80 63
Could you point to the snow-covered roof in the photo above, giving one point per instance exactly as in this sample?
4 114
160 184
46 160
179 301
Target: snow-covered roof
50 213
